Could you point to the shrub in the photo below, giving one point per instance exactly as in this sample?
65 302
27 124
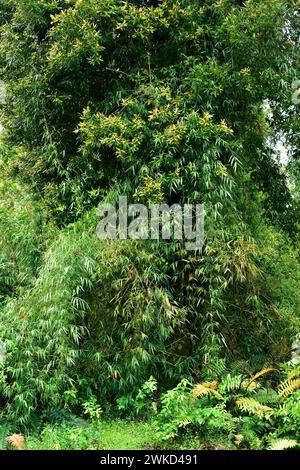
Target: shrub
237 411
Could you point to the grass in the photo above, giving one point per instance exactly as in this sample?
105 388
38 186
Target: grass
123 435
98 435
101 435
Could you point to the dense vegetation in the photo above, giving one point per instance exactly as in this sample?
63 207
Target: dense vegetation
171 101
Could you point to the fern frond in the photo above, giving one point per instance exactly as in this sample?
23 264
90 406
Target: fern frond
206 389
260 374
282 444
252 387
294 373
288 386
238 367
250 405
231 383
16 441
267 396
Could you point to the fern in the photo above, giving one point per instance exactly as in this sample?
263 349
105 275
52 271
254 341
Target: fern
252 387
237 367
206 388
252 406
282 444
288 386
267 396
294 373
16 441
231 383
260 374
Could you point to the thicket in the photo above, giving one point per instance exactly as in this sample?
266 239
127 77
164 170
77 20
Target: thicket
171 101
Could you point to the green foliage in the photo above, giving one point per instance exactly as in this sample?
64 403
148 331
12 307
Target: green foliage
164 102
101 317
283 444
98 435
97 311
232 412
92 409
25 232
181 413
178 97
143 403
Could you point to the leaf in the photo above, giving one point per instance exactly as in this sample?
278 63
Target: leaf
206 388
16 441
288 386
260 374
252 406
282 444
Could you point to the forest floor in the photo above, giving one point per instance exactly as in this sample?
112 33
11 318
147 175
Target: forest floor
100 435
